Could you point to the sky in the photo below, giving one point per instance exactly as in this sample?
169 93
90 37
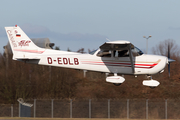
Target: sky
76 24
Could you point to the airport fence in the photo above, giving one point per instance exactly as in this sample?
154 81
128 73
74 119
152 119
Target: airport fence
104 108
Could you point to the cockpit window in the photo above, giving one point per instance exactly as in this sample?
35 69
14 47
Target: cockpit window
136 51
121 53
104 53
118 50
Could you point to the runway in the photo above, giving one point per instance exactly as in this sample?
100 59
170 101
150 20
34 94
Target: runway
24 118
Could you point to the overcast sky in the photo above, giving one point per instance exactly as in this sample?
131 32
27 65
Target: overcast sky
87 23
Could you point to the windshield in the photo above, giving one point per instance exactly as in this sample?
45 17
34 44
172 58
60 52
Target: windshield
136 51
92 52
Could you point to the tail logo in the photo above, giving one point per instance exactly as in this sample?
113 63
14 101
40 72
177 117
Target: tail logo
11 38
24 43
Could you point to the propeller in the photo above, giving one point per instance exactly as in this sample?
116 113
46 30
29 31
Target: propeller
169 60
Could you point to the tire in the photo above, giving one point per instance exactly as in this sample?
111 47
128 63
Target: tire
117 84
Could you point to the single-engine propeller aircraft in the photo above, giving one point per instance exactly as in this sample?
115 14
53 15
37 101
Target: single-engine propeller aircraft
117 57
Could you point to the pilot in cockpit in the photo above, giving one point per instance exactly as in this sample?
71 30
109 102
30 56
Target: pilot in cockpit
122 53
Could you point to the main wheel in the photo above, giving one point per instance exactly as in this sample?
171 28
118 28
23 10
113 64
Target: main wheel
117 84
152 87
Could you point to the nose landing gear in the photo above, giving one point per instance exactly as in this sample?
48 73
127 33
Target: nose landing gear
150 82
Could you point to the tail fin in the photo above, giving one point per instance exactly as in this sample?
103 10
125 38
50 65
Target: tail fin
21 45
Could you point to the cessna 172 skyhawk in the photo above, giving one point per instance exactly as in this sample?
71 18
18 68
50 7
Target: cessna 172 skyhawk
117 57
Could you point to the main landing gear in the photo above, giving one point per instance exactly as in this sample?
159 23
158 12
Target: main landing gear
116 80
117 84
150 82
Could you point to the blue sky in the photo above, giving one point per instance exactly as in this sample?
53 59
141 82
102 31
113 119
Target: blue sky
87 23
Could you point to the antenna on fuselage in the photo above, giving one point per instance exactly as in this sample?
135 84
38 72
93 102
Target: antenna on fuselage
108 39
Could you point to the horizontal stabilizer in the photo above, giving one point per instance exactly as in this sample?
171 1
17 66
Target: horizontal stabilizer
25 56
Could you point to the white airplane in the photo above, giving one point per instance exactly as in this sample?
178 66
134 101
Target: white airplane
117 57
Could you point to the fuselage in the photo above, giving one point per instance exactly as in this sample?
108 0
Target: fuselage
143 64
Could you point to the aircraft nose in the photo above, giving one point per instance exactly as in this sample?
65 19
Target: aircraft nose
170 60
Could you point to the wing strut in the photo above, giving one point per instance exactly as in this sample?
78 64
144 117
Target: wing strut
131 58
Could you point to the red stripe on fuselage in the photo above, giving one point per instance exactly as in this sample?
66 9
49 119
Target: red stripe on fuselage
31 51
146 66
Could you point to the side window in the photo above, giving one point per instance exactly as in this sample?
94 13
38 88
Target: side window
121 53
104 53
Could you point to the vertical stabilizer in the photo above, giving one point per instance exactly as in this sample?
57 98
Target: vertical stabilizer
21 44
